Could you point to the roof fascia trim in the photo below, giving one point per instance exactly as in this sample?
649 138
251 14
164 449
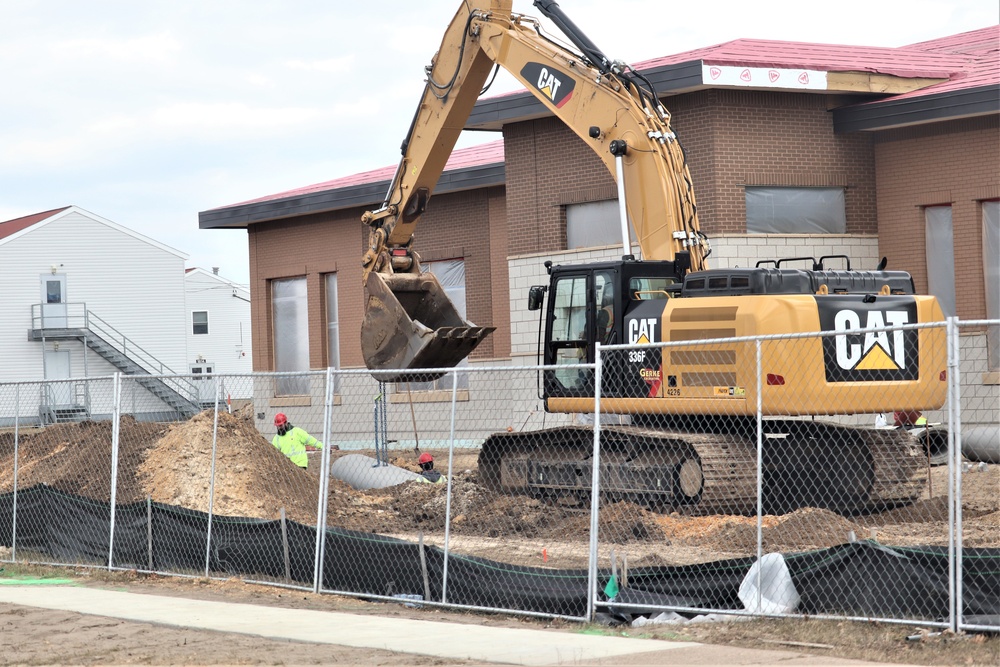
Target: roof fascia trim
888 114
365 194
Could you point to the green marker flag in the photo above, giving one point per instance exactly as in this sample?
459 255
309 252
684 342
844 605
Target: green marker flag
611 590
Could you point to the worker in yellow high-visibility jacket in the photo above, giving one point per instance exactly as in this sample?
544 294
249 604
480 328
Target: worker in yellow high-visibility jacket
293 441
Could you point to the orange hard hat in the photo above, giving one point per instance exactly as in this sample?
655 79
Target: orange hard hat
425 458
280 419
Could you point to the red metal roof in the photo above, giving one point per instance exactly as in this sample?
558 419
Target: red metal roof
9 227
982 41
903 62
966 60
981 48
474 156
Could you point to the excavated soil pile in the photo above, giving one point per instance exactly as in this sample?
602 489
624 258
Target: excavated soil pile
252 478
173 465
76 458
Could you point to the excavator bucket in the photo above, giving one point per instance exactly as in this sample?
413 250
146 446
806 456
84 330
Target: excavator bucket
410 323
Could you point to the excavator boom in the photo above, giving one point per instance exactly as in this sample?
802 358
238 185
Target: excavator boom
692 439
409 322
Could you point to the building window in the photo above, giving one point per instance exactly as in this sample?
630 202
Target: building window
199 322
594 224
991 269
289 308
332 325
940 248
774 210
451 274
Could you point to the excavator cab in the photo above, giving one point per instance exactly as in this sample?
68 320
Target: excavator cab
599 303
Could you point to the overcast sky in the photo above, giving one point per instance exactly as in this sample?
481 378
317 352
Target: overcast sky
146 113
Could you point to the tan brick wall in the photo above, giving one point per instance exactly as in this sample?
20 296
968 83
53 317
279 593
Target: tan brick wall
468 225
947 163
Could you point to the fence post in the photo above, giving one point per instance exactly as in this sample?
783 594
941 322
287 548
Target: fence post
595 485
423 566
211 479
760 475
149 533
324 482
284 546
17 423
955 478
447 500
115 434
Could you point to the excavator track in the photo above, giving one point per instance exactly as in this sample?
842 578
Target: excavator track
805 464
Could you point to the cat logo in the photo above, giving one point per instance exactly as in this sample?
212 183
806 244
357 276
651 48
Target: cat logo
642 331
881 353
554 85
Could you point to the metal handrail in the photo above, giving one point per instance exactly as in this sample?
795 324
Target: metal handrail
79 317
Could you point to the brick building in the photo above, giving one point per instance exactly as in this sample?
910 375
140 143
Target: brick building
888 146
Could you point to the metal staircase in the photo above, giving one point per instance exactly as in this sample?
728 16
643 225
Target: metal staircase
121 352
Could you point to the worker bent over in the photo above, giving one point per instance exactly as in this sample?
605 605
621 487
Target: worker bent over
293 441
427 470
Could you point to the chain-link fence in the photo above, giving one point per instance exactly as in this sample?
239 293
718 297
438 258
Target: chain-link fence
775 475
810 474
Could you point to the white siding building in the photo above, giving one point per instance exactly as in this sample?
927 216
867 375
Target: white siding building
218 330
84 297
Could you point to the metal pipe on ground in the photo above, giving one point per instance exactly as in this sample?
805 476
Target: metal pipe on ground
364 472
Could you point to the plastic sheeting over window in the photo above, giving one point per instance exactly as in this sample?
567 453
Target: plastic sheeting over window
289 307
991 269
593 224
451 274
940 248
774 210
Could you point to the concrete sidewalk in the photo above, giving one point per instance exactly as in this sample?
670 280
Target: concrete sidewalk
474 642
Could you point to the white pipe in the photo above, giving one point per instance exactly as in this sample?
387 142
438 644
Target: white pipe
364 472
622 211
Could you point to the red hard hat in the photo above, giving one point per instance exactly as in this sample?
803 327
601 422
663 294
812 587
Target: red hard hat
425 458
280 419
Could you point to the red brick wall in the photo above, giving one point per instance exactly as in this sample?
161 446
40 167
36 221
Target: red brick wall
946 163
732 139
467 225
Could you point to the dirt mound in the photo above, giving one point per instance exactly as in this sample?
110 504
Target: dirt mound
252 478
624 522
76 458
931 509
808 528
173 465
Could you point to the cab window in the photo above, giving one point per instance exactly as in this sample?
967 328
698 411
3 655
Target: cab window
650 289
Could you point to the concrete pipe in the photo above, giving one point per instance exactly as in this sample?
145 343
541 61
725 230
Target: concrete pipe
364 472
981 443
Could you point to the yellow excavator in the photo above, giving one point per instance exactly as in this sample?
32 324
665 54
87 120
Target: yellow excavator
689 439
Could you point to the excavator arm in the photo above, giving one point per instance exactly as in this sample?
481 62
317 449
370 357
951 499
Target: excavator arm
409 322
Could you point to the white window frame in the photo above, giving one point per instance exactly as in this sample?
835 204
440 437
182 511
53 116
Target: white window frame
332 325
195 324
